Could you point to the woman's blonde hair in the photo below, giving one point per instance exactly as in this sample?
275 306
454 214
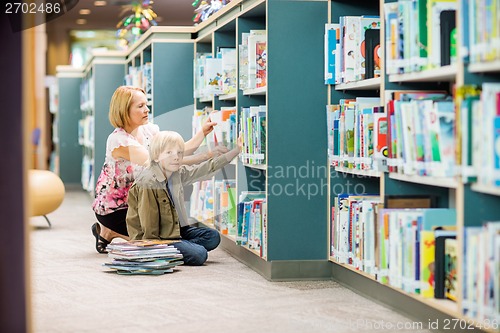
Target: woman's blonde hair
120 105
162 141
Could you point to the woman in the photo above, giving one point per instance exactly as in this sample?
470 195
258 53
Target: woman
126 154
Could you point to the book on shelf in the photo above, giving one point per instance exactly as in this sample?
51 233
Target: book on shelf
199 64
467 138
392 46
480 267
433 219
228 56
380 131
418 36
353 238
446 116
486 127
249 220
367 23
441 264
355 140
451 268
261 64
481 33
407 247
434 9
332 48
410 201
426 146
372 53
213 77
225 206
253 123
353 47
243 61
255 37
447 27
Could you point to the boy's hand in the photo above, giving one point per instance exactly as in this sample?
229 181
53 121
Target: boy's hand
208 126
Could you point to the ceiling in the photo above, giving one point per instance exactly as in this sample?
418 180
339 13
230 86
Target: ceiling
170 12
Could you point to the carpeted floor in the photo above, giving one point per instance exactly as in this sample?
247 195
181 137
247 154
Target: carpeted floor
72 292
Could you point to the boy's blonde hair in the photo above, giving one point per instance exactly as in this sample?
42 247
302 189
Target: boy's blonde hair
120 105
162 141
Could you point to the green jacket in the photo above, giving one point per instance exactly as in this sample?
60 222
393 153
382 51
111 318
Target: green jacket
151 213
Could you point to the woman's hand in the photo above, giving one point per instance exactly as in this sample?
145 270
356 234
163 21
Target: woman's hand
240 142
193 144
208 126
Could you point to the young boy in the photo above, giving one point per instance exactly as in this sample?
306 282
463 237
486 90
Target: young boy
156 199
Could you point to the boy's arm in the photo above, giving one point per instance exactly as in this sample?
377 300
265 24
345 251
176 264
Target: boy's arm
143 215
202 157
191 174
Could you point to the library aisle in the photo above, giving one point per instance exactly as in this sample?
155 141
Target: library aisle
71 292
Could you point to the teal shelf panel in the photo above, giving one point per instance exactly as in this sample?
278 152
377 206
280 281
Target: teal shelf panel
297 159
480 78
70 151
204 47
353 8
146 55
107 77
173 76
226 36
397 187
480 207
173 86
341 182
337 95
218 104
250 179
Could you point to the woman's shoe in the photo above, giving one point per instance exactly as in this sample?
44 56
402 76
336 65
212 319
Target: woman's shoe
100 242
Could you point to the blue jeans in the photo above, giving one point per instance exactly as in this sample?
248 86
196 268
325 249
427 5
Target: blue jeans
195 244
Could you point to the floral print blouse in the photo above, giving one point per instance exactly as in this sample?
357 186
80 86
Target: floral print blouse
117 175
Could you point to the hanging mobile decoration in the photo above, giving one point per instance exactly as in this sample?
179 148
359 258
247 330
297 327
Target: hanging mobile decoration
132 26
206 8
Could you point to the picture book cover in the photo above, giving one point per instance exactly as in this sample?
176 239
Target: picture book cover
261 66
496 151
228 56
432 219
440 265
372 53
447 24
450 263
367 48
446 116
332 40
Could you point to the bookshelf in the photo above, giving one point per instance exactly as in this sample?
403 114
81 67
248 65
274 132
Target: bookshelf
164 58
473 201
102 74
295 97
67 149
284 104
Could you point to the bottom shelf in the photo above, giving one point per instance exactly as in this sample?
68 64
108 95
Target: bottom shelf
231 237
459 322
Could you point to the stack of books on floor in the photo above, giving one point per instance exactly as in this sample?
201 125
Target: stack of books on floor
149 257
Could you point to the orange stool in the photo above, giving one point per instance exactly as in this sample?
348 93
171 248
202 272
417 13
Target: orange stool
46 192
